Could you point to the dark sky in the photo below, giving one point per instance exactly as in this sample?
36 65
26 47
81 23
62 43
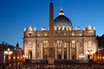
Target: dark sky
15 15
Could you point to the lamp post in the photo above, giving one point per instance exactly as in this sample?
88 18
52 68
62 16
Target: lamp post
81 56
8 52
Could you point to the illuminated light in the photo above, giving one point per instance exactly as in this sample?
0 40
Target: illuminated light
45 49
8 49
64 34
73 34
18 63
8 52
80 34
9 57
100 57
10 65
45 34
18 57
21 57
14 57
64 45
38 34
61 12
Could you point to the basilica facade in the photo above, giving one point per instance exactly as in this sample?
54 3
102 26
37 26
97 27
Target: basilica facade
69 44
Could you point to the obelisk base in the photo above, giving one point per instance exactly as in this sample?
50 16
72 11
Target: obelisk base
51 61
51 56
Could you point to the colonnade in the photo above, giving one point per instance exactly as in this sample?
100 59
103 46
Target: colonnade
67 50
64 50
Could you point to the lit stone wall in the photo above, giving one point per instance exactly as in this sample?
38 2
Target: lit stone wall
69 44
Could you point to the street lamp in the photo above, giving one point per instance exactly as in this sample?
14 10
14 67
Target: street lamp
8 52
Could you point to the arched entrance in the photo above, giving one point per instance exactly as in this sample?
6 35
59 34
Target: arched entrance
29 54
73 53
59 53
45 53
65 51
73 49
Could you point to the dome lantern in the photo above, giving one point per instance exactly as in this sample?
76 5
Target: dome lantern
62 21
61 12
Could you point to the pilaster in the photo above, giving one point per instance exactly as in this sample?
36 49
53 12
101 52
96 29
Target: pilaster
62 50
67 51
70 51
41 51
56 51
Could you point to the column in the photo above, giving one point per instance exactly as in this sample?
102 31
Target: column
85 50
26 49
41 51
62 50
55 51
67 51
76 50
83 45
70 51
47 45
34 51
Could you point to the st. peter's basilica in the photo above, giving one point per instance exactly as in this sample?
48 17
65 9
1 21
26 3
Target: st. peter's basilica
69 44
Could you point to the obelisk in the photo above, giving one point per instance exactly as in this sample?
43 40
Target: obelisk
51 36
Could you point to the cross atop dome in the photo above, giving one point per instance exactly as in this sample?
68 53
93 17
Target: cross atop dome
61 12
61 9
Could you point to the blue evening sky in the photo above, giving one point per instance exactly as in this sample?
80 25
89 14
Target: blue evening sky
15 15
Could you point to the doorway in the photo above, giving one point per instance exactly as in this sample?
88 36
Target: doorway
29 54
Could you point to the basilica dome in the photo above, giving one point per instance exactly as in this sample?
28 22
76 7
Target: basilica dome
62 20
